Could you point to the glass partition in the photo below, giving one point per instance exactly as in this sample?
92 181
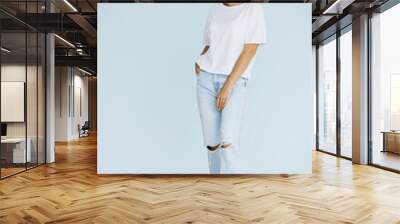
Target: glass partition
22 77
41 107
327 96
346 94
32 95
14 153
385 89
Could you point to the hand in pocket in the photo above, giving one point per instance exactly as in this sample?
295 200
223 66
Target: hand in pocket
197 68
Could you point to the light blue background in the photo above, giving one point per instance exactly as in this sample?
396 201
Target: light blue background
148 120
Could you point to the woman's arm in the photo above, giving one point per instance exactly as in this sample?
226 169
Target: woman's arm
196 66
241 64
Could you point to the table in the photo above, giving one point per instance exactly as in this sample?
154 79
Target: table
391 141
13 150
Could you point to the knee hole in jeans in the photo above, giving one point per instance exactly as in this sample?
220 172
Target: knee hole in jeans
212 148
226 145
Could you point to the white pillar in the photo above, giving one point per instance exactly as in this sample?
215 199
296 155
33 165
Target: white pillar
50 92
360 90
50 110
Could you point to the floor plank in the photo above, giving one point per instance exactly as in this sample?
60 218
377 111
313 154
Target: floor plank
70 191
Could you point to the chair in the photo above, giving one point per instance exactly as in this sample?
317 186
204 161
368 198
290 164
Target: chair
84 130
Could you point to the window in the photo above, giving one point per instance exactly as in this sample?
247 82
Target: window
327 96
385 89
346 94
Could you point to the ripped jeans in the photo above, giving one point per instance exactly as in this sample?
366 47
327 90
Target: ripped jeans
221 129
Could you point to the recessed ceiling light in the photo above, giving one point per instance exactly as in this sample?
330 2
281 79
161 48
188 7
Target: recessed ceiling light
70 5
5 50
64 40
84 71
338 6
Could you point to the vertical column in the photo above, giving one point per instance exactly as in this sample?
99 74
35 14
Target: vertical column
315 83
92 99
360 89
50 92
317 97
338 98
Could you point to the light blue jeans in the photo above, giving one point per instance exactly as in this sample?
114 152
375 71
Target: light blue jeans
221 127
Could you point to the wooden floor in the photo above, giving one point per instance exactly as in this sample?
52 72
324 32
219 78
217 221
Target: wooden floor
70 191
386 159
5 172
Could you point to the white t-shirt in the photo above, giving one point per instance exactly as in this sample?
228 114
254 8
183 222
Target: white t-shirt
228 29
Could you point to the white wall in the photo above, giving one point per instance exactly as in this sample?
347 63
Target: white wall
15 72
69 82
80 112
62 81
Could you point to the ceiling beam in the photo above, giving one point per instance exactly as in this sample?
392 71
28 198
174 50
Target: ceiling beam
83 61
338 6
86 27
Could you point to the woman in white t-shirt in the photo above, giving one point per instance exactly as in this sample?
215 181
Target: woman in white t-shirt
232 35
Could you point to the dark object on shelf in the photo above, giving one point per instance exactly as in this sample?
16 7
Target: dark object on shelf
3 129
391 141
84 130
